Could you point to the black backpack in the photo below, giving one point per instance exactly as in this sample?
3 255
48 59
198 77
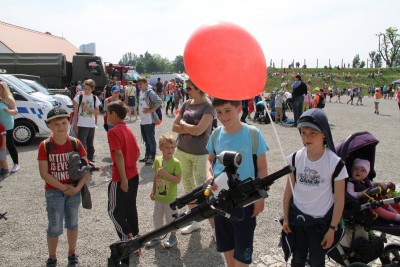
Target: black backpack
321 102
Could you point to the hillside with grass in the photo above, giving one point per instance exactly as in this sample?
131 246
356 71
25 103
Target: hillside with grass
342 78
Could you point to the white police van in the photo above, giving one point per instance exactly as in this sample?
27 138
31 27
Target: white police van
33 107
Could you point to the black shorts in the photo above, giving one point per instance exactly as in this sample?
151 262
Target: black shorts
234 235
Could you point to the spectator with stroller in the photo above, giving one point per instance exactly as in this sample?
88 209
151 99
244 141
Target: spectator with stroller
359 184
313 209
299 89
193 125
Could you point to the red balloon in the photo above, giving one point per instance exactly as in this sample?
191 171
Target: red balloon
225 61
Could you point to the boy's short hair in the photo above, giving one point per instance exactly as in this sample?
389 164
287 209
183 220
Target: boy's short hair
142 79
167 138
56 113
119 108
216 102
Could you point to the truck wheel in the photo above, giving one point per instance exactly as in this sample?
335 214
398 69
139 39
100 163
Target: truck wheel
24 133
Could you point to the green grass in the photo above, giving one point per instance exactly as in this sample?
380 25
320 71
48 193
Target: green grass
358 77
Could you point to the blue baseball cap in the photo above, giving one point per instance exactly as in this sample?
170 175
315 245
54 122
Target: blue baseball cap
115 88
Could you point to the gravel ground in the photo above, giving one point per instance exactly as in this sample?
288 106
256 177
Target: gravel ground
23 236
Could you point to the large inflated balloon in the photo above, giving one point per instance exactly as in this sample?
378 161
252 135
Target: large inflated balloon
225 61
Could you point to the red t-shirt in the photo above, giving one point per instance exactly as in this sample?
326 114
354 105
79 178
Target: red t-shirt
2 132
58 159
120 137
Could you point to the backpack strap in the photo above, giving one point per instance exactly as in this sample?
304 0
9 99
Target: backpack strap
338 169
254 143
73 140
81 98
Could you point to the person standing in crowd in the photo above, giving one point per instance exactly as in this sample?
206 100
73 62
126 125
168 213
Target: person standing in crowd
279 101
130 99
107 89
377 97
160 90
62 196
299 89
360 96
86 108
193 124
8 109
235 238
167 176
123 188
148 103
115 96
315 191
245 110
351 93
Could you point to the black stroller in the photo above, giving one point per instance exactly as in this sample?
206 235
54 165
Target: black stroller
359 246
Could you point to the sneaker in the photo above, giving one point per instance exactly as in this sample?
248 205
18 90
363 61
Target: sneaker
73 260
190 228
171 242
152 242
144 159
149 161
51 262
15 168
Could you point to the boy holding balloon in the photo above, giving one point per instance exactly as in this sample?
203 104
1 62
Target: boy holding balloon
235 239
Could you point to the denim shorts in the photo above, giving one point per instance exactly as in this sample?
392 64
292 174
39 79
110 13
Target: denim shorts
60 207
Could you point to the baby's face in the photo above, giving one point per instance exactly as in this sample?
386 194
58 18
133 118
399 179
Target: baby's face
359 173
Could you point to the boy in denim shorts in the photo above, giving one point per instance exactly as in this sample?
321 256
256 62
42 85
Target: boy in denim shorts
235 238
3 161
62 198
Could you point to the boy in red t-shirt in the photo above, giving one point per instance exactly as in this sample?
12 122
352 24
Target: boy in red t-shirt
62 198
122 191
3 160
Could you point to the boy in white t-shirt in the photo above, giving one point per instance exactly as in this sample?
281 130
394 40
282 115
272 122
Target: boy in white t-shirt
314 208
86 108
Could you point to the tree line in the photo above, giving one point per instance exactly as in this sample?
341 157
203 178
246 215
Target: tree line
151 63
388 51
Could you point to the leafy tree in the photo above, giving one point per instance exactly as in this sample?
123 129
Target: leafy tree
389 45
356 61
178 64
362 64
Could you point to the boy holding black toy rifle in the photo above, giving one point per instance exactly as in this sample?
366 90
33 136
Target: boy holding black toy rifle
235 239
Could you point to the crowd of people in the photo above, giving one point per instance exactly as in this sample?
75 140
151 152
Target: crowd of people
187 155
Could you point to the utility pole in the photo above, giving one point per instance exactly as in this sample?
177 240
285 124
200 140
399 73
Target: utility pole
317 63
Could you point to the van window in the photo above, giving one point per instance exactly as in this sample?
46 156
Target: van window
20 84
37 86
93 66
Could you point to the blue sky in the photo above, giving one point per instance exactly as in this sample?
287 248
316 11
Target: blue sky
285 29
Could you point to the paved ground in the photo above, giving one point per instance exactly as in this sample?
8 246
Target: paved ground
23 237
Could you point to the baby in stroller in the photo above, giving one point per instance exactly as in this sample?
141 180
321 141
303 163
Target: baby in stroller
361 244
359 184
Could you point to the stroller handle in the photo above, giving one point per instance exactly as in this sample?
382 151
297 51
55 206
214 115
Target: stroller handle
379 203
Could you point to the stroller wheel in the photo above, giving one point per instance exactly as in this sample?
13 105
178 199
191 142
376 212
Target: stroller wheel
358 264
391 254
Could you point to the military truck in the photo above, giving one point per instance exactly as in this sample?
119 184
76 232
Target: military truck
54 69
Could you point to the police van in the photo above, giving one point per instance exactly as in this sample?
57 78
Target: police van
32 107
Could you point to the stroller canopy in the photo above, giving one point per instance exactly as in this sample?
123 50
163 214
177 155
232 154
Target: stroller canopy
358 145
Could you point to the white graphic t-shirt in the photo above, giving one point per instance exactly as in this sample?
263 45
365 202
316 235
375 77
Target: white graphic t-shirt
87 119
313 190
145 118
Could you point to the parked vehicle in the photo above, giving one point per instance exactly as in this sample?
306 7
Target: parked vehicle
55 70
179 78
63 101
121 72
32 107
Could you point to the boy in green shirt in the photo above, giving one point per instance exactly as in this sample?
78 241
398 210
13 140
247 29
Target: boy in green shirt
167 176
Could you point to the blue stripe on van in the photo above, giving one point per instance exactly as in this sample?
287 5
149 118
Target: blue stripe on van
22 110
